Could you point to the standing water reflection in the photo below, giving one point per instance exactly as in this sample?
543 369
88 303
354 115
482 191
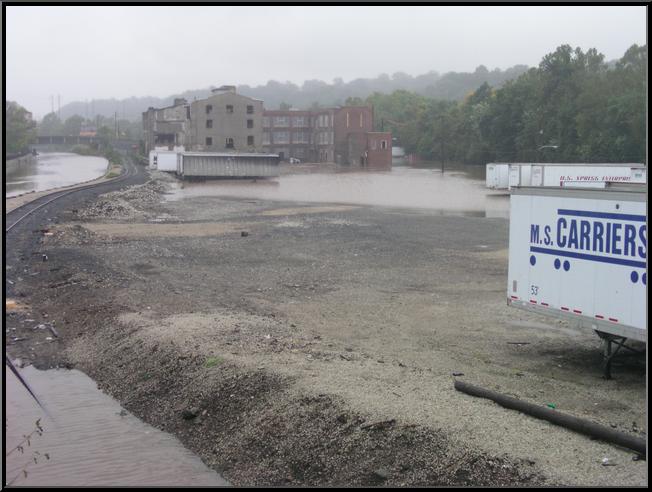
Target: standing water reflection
459 189
89 439
53 170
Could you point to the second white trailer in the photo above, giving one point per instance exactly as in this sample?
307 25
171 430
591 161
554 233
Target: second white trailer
520 175
497 176
586 175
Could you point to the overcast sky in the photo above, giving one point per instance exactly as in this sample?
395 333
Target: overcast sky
118 51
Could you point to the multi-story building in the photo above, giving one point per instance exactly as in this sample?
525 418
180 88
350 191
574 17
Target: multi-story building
166 127
288 134
229 122
222 122
343 135
226 122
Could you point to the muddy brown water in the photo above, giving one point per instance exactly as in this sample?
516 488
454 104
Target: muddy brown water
456 190
53 170
90 439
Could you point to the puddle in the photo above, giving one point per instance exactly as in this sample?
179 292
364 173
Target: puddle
90 439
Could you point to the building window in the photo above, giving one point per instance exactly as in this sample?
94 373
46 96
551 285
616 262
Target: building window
266 121
281 121
209 141
229 143
250 110
281 137
229 108
188 112
301 137
266 138
250 140
347 119
299 121
209 108
250 123
209 123
383 144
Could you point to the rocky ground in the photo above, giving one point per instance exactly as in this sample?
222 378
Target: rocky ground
293 343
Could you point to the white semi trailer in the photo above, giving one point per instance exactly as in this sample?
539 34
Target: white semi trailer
584 175
520 175
581 255
164 159
497 176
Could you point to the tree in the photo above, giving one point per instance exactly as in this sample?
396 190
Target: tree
19 128
50 125
72 125
354 101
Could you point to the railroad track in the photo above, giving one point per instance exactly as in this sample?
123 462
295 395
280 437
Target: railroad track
28 209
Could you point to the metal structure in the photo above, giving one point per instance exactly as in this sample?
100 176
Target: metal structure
225 165
576 175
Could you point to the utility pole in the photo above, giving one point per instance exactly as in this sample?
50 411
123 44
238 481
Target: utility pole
115 119
59 105
52 103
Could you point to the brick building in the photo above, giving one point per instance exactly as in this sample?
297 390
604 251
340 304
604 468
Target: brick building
343 135
229 122
288 134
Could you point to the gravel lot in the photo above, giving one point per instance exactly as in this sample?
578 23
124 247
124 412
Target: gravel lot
302 343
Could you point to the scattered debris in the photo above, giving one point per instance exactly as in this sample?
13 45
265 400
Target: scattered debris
382 425
53 330
189 413
608 462
381 474
244 234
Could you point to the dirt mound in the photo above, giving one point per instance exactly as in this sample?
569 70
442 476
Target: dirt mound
134 202
258 428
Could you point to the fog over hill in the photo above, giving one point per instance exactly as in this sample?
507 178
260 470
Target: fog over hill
449 86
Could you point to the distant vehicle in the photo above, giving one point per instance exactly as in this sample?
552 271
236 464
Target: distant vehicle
294 160
580 254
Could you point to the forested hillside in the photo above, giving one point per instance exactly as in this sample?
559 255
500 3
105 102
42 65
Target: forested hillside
572 107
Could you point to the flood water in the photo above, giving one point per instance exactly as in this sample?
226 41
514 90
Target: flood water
458 189
53 170
88 440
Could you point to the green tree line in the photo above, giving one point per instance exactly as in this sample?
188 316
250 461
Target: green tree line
20 129
53 125
573 107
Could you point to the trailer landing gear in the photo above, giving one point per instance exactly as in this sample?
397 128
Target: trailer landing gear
608 354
